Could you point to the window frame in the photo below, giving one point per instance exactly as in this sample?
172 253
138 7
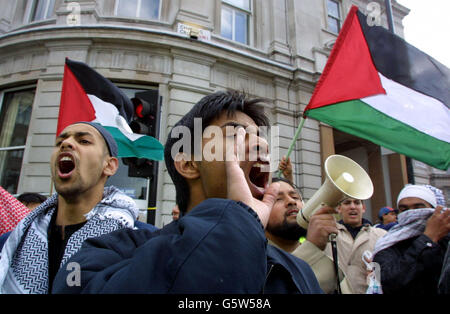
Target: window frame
233 8
2 99
138 8
330 16
30 11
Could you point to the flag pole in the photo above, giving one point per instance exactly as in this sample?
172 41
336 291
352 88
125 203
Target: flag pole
291 147
390 19
387 4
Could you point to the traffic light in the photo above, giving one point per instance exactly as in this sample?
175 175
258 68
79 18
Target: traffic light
144 117
145 121
139 167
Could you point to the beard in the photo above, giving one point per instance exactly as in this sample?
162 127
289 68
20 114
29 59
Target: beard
71 190
289 231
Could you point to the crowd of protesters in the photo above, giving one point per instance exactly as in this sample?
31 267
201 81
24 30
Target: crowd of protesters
233 231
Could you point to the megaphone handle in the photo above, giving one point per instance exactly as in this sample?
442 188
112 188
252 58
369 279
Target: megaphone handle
332 238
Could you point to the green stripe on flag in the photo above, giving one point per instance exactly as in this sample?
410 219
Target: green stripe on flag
144 147
357 118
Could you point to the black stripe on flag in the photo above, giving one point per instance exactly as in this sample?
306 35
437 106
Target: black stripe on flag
401 62
95 84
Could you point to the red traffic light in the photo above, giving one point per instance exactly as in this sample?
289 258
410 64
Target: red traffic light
141 107
138 110
144 117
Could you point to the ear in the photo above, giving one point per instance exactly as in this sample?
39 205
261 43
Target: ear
338 208
186 167
112 164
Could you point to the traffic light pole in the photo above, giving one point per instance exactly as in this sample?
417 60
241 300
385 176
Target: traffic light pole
151 211
152 196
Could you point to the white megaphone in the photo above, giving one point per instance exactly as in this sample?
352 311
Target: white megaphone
345 179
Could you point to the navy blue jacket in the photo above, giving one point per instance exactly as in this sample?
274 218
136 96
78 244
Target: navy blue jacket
137 224
218 247
3 239
142 225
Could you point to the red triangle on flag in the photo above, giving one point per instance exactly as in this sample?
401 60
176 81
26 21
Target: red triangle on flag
350 72
75 105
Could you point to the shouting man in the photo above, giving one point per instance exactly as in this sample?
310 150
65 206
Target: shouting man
218 244
84 156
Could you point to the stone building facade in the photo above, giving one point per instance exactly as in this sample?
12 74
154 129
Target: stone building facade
184 49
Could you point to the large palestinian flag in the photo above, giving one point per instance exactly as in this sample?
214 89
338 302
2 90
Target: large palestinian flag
88 96
378 87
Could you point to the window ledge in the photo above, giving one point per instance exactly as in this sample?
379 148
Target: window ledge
329 32
132 20
34 24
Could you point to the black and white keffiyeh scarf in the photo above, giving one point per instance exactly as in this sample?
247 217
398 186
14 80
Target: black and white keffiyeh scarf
411 223
24 258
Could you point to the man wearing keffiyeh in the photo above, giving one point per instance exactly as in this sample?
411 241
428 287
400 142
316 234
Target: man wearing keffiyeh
411 254
84 156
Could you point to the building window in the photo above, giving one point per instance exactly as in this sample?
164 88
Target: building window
15 115
334 16
40 9
144 9
235 20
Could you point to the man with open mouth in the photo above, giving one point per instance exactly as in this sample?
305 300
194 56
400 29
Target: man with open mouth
218 244
284 232
83 157
355 236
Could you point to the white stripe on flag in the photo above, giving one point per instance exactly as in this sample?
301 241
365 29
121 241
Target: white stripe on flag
108 115
415 109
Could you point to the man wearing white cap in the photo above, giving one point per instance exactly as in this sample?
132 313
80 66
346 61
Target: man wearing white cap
411 254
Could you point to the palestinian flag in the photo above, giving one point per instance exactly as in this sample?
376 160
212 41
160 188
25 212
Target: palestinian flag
88 96
378 87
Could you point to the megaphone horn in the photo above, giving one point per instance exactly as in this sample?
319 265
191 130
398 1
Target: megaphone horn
344 179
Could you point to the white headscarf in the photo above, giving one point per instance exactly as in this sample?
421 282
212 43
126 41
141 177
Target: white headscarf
418 191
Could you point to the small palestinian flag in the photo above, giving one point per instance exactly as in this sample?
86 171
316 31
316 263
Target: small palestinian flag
378 87
88 96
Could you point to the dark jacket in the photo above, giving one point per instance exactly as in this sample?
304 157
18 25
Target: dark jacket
444 280
3 239
142 225
412 266
218 247
137 224
288 274
386 227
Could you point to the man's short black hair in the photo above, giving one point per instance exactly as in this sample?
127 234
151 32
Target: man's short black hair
30 197
209 108
278 179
